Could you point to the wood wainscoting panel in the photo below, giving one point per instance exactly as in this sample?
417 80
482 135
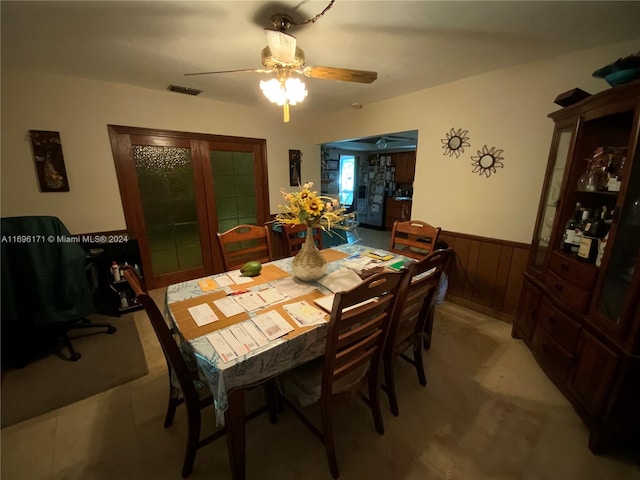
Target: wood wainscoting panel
486 273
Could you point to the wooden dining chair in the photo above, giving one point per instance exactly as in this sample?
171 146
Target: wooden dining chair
413 238
244 243
409 322
189 389
356 332
295 236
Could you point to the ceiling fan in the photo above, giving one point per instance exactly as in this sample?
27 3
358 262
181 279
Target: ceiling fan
283 57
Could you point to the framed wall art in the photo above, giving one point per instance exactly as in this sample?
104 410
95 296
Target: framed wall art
295 159
47 153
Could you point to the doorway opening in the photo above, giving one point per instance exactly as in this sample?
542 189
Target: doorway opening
372 174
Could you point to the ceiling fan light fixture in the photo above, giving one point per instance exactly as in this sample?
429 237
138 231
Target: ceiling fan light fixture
291 91
284 92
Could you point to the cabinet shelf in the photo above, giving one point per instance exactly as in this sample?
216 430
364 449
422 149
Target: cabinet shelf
598 192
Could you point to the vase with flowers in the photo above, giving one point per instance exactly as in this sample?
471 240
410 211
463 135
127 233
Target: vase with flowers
308 208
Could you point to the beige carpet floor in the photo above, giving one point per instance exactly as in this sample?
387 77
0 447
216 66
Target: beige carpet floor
53 381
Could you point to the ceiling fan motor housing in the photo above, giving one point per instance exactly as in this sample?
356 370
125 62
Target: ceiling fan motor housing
271 62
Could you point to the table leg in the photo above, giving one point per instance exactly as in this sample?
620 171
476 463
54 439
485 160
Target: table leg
235 428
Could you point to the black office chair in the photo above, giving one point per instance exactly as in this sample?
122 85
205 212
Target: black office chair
45 291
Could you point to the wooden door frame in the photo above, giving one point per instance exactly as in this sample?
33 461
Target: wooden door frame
200 145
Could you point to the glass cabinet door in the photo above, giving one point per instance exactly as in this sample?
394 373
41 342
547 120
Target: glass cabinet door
622 265
548 214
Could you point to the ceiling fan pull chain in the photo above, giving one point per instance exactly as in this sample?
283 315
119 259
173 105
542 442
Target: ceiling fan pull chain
317 17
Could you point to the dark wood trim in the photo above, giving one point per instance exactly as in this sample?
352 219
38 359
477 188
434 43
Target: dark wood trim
185 135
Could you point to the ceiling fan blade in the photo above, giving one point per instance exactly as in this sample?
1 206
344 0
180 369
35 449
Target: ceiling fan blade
281 44
252 70
344 74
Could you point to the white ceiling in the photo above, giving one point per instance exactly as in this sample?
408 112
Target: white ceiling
411 44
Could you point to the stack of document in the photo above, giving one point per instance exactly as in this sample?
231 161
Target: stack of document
203 314
272 325
236 340
304 314
249 301
242 338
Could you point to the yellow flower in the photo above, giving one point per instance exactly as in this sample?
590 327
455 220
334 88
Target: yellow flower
309 208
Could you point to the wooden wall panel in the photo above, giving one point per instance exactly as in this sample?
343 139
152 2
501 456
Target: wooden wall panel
471 270
457 276
486 273
502 276
514 283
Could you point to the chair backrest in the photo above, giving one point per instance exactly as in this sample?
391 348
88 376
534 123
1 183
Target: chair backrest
243 244
295 236
357 330
414 300
172 353
413 238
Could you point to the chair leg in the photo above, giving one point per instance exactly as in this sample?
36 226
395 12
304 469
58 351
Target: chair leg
417 360
374 400
193 438
73 355
428 328
174 401
327 437
390 385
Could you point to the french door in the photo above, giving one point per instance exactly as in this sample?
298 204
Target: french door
179 189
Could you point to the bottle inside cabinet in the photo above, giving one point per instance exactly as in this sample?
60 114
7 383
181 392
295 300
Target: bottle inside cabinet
600 154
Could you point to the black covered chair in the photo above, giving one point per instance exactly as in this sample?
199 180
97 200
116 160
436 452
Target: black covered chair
45 291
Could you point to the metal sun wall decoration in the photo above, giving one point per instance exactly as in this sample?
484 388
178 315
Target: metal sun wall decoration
455 142
47 152
487 160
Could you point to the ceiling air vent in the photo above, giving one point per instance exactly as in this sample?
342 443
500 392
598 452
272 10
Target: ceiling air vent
185 90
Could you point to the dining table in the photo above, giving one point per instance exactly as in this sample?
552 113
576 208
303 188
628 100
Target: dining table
205 310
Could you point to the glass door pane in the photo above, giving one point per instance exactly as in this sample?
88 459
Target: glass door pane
167 194
550 207
625 250
234 188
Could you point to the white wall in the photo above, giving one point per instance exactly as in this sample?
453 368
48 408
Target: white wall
506 109
81 110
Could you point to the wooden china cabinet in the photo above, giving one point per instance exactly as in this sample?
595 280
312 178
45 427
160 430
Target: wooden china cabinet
580 318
